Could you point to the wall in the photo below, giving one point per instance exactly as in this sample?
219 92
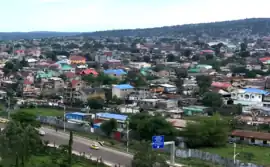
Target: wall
192 153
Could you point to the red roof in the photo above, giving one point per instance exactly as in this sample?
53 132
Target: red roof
207 51
89 71
27 82
74 82
223 85
264 59
70 74
108 53
77 58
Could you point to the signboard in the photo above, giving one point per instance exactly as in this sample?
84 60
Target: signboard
157 142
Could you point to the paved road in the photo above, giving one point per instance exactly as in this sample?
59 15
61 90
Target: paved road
81 144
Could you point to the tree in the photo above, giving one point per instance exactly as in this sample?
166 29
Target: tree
148 158
243 47
25 119
70 148
18 143
135 78
210 132
24 63
204 82
187 52
96 103
181 72
146 59
147 126
212 99
9 68
109 126
170 58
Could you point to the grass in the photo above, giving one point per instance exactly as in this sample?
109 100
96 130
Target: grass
43 111
254 154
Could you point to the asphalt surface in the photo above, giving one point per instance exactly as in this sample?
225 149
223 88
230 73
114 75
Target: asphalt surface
81 144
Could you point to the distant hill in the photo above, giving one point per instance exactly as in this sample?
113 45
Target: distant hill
33 35
254 26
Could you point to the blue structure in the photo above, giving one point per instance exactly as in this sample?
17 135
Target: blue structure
76 115
124 86
157 142
258 91
116 72
117 117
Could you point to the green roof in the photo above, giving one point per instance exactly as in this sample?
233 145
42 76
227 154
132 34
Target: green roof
194 70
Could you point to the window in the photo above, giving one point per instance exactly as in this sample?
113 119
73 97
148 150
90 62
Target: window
264 142
241 138
246 96
252 140
253 97
259 96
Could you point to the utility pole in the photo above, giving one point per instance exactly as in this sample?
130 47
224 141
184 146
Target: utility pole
64 118
234 153
8 108
127 124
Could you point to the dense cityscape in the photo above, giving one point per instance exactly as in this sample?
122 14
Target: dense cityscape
192 95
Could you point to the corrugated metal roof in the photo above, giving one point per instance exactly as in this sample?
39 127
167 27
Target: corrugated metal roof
112 116
124 86
254 90
115 71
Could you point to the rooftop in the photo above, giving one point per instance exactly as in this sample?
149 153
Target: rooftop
124 86
112 116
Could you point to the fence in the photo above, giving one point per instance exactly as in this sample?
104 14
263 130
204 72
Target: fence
214 158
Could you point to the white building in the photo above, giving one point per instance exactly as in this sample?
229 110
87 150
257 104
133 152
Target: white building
249 97
122 90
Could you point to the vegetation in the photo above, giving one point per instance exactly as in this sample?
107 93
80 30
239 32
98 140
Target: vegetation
109 126
21 146
210 132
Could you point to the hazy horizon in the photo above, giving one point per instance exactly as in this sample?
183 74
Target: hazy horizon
99 15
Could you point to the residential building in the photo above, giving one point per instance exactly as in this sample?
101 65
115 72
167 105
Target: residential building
121 91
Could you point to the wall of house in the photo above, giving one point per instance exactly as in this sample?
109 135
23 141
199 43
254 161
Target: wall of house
253 97
116 92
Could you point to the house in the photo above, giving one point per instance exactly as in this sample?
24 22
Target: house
89 71
193 110
169 88
139 65
157 103
67 68
77 60
251 137
249 96
221 85
118 73
122 90
113 63
104 57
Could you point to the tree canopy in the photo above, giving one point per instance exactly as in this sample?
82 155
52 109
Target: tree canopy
210 132
109 126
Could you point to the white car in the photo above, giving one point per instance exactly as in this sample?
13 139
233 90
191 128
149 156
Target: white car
41 132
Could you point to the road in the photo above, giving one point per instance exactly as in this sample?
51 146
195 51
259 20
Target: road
81 144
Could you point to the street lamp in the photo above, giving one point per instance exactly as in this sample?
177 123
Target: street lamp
234 153
64 118
127 126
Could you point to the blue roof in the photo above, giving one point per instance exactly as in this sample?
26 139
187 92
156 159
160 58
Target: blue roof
124 86
115 71
254 90
113 116
77 113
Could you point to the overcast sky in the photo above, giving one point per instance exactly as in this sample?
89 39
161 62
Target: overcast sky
93 15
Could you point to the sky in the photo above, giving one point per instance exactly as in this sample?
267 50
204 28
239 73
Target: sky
96 15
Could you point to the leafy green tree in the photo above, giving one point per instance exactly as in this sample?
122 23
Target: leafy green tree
147 126
181 72
109 126
96 103
170 58
9 67
204 82
135 78
25 119
210 132
18 144
148 158
70 148
212 99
